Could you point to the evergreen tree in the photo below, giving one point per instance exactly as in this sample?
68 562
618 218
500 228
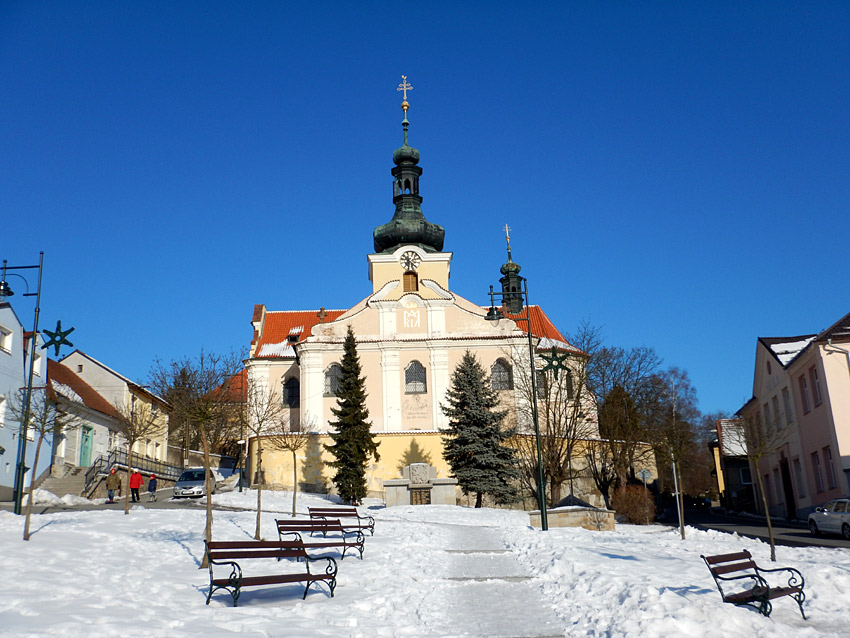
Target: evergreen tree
474 443
353 442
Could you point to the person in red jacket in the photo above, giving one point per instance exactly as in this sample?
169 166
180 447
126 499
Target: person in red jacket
136 483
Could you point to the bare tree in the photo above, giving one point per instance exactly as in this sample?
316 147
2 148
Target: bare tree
137 422
263 414
45 419
564 418
203 392
293 440
759 440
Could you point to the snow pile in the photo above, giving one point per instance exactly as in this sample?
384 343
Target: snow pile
43 497
429 571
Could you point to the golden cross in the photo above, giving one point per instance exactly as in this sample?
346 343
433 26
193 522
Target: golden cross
405 86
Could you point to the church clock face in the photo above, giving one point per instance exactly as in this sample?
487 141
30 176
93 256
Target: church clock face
410 260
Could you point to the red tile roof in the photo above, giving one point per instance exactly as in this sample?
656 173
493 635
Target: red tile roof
59 375
279 325
543 328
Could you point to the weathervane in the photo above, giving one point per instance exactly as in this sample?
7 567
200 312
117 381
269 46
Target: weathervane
57 338
405 86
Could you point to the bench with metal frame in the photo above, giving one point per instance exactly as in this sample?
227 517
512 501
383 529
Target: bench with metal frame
740 568
232 553
363 522
295 527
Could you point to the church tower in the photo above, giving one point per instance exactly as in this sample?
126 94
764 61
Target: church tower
408 248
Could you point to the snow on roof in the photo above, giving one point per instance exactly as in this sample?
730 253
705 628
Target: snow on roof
786 351
282 349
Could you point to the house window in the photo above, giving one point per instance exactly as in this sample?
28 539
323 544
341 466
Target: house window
411 282
501 376
767 420
831 478
798 474
292 393
777 415
813 375
5 340
786 402
817 471
333 379
746 476
414 378
804 394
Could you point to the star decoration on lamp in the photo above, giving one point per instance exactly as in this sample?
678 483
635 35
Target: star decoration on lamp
58 338
555 361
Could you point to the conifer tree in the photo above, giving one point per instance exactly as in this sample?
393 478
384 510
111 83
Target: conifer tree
353 442
474 444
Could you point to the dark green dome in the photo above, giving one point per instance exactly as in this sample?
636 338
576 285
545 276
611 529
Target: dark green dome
405 154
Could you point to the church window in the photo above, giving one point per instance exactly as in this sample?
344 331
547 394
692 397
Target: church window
542 384
501 375
568 381
292 393
411 282
414 378
333 378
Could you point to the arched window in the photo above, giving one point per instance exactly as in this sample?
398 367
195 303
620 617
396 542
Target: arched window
569 382
542 384
333 378
411 282
501 375
292 393
414 379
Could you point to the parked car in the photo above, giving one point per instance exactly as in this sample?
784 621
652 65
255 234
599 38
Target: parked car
191 483
833 517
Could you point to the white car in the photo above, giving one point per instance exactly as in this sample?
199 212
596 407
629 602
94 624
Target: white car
833 517
192 483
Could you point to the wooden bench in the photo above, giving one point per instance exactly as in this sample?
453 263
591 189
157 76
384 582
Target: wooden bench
232 553
757 592
363 522
294 528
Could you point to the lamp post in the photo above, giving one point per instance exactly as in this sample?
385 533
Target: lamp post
6 291
494 314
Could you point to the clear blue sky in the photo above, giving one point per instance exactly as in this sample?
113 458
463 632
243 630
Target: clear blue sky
676 173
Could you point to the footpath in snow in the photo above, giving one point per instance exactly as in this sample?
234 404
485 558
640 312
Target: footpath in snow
429 571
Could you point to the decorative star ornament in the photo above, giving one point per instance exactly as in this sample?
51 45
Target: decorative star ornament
555 361
58 338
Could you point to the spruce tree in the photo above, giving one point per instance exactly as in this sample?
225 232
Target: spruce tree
474 443
353 442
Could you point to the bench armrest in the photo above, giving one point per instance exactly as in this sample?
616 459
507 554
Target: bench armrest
330 568
795 578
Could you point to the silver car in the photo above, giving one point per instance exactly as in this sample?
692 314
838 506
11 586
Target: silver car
833 517
192 483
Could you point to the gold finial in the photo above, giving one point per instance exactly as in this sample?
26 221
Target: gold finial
507 230
405 86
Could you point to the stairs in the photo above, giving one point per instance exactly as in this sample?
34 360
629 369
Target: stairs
73 482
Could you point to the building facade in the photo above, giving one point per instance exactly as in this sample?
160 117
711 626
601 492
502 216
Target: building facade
801 399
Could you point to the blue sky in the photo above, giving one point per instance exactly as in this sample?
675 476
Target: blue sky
676 173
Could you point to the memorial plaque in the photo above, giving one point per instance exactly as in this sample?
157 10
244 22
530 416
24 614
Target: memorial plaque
420 496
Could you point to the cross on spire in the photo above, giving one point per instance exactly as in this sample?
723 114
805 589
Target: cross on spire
404 86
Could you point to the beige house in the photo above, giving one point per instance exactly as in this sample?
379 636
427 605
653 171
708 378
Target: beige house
801 395
412 330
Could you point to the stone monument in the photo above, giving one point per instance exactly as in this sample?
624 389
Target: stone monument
420 486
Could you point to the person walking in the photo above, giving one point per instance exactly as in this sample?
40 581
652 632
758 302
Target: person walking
136 483
152 488
113 483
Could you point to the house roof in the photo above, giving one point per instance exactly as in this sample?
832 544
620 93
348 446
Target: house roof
282 329
787 349
132 384
63 383
234 389
543 328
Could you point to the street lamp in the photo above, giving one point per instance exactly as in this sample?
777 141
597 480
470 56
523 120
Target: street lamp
6 291
494 314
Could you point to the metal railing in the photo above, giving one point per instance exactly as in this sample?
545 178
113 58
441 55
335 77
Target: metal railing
118 459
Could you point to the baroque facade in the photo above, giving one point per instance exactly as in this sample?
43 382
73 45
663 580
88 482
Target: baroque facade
411 331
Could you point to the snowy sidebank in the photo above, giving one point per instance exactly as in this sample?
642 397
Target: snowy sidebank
106 574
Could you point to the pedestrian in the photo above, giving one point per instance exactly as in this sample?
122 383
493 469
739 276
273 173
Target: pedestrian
152 488
113 483
136 482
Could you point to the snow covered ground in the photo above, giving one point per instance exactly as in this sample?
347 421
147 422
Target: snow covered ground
429 571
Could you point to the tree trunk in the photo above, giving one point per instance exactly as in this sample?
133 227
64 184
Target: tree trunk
294 482
32 487
479 499
766 514
207 484
257 534
129 471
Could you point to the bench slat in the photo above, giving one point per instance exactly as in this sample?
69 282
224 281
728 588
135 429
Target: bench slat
734 567
726 558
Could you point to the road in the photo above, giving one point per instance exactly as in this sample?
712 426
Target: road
790 533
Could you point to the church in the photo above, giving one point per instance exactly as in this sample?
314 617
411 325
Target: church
412 330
